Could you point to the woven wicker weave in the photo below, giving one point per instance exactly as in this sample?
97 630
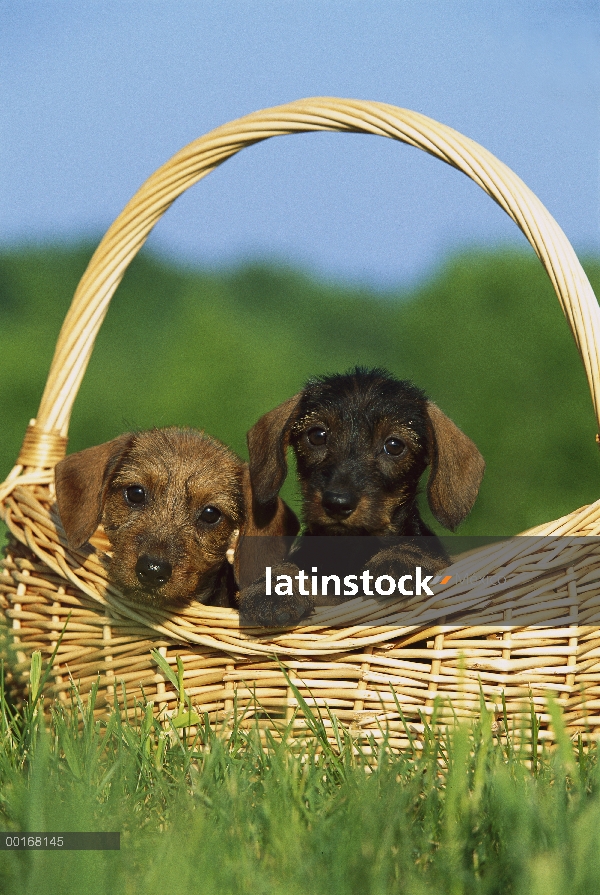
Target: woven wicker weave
361 659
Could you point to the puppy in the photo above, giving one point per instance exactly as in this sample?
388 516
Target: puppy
172 502
362 441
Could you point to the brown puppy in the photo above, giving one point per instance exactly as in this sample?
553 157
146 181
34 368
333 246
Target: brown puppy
362 441
172 502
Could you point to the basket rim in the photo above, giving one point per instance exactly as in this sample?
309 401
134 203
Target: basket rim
355 625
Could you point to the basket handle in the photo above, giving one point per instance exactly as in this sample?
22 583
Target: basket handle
45 442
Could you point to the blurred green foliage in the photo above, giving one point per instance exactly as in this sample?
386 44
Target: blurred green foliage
483 335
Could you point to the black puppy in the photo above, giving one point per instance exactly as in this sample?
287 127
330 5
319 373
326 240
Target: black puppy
362 441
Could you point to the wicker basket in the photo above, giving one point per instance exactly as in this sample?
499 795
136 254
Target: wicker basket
360 661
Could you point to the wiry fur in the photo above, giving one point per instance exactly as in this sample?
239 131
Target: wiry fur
350 484
359 411
182 471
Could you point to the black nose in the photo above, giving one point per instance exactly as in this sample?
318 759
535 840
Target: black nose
153 572
339 503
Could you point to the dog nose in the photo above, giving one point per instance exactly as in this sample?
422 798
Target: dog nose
339 503
153 572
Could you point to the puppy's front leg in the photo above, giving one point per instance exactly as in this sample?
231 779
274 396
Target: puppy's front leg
278 599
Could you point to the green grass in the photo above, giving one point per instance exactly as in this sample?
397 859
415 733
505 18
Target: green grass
461 812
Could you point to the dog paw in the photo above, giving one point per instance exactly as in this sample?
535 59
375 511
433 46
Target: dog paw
274 610
401 562
387 563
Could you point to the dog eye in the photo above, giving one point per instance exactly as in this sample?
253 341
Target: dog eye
395 447
317 436
135 496
210 515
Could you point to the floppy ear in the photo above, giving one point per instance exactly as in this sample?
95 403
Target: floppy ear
274 519
80 481
276 524
456 469
268 442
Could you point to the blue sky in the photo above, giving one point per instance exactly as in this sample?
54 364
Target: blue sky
96 96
